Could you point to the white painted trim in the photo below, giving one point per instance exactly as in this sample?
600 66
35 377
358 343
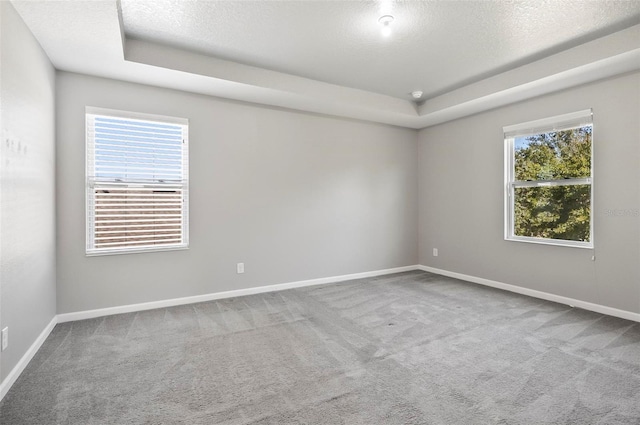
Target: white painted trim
89 314
610 311
24 361
165 119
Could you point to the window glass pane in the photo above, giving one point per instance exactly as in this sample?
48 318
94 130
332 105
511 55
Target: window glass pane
554 155
555 212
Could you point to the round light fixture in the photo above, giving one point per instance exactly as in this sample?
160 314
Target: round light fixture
386 21
416 94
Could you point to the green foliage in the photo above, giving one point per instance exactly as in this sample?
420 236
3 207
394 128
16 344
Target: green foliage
555 212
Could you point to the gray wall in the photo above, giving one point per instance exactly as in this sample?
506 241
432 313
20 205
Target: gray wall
461 199
292 195
27 221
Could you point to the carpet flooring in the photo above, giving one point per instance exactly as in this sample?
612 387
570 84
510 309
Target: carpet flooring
410 348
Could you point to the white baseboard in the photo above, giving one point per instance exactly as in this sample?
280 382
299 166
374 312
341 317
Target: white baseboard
610 311
90 314
24 361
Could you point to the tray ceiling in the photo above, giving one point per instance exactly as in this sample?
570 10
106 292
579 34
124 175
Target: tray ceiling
331 58
434 46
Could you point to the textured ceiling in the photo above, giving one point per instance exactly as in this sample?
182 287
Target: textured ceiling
436 46
330 58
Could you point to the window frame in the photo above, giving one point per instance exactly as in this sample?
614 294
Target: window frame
569 121
90 114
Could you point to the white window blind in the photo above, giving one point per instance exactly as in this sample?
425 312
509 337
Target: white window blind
137 182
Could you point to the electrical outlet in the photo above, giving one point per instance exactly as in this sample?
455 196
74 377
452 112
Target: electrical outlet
240 268
435 252
5 338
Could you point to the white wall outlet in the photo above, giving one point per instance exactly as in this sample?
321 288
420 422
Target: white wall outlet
435 252
5 338
240 268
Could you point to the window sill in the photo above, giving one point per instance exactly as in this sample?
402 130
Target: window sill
553 242
135 251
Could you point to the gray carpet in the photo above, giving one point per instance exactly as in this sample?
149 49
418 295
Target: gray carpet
410 348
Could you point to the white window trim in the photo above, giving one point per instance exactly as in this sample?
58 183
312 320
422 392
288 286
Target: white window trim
556 123
184 245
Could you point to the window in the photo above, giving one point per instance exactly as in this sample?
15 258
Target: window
136 181
548 173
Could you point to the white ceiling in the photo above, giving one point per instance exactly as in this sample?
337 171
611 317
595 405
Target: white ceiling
435 46
329 57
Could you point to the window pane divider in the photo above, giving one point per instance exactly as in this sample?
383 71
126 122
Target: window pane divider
547 183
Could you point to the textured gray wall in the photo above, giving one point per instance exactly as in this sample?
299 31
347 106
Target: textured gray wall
27 220
292 195
461 199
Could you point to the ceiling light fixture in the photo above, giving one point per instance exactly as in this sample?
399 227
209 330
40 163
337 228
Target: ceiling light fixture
416 94
386 21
